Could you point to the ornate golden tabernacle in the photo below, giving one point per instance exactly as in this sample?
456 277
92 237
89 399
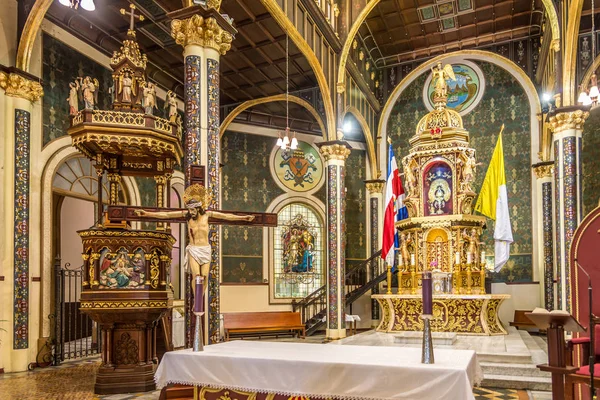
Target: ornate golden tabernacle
441 234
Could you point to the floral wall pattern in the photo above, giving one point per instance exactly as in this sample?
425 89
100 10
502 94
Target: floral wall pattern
21 232
61 65
247 185
356 213
590 157
504 102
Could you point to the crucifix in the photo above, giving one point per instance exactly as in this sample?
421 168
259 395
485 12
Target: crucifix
197 216
132 15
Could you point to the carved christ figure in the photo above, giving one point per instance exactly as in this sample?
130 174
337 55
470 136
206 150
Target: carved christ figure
198 252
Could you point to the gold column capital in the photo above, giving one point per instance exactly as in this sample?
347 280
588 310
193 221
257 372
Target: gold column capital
544 170
337 150
200 31
160 179
16 85
375 186
568 118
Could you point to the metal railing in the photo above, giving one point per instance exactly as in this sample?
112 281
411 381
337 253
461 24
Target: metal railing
358 280
75 333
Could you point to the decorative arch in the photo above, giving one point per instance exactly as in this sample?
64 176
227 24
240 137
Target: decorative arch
30 31
276 206
522 79
341 84
375 172
52 157
279 97
570 54
508 65
284 22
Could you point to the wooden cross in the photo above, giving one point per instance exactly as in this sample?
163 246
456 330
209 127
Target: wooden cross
132 15
118 214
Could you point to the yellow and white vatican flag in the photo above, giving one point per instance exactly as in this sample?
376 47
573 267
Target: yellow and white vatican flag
493 203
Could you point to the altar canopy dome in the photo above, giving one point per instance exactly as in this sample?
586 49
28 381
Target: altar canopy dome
439 119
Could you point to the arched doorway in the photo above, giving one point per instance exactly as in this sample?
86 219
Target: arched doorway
74 201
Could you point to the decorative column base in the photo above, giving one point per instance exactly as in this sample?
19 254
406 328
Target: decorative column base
335 334
133 359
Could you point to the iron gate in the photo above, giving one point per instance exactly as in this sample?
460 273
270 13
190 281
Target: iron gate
75 333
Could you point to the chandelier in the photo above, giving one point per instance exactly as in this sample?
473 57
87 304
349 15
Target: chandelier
87 5
284 142
589 96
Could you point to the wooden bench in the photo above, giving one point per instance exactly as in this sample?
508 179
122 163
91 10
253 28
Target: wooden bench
521 320
257 322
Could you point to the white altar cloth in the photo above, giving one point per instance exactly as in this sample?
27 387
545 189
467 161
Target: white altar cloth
321 370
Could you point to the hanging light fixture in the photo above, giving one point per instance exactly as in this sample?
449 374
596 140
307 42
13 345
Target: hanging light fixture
285 143
87 5
590 96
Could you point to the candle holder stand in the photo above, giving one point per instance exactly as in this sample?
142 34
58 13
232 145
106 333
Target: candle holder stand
198 337
389 279
427 347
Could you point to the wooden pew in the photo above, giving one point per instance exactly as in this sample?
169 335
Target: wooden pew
261 322
521 320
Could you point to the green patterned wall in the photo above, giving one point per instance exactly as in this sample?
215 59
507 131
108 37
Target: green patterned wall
591 162
61 66
504 102
356 213
247 185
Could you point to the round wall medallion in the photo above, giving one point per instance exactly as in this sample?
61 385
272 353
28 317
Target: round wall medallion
464 93
300 170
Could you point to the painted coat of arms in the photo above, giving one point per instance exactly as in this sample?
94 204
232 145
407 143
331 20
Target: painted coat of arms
299 170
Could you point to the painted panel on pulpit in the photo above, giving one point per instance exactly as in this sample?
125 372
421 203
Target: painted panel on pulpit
122 270
437 189
300 170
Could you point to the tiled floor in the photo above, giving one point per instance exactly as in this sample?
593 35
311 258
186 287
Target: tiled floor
75 381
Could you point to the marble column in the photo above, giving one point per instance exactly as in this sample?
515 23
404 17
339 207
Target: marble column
19 92
567 128
335 154
205 35
375 189
543 172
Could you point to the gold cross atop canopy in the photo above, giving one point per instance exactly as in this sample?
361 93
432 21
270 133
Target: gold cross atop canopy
133 16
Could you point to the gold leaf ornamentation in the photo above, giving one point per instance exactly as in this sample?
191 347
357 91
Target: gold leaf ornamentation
17 86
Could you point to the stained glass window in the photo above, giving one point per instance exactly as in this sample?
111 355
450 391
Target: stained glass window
298 247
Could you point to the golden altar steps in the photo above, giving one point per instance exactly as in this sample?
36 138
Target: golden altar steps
462 314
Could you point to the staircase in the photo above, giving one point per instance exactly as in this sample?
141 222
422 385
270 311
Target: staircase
358 280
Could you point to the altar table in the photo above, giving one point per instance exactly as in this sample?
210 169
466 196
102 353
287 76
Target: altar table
322 371
464 314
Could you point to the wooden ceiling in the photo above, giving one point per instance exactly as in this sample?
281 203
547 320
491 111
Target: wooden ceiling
254 67
402 30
